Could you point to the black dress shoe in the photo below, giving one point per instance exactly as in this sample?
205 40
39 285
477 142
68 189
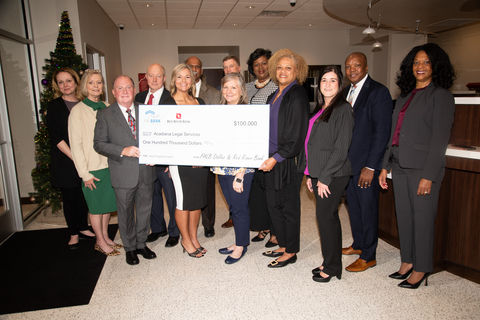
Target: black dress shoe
280 264
318 278
146 253
171 242
272 254
73 246
400 276
209 233
317 270
132 258
270 244
155 235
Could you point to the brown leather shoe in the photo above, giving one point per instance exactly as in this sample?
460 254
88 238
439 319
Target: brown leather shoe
361 265
228 224
350 250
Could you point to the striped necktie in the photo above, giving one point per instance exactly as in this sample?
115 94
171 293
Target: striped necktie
350 95
131 123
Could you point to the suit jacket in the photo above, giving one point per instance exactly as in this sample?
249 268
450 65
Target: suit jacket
209 94
63 173
112 134
141 96
425 131
292 129
373 118
328 146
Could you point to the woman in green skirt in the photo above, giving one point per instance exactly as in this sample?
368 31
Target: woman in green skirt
91 166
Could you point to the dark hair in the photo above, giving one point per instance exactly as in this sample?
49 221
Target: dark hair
254 56
443 74
337 100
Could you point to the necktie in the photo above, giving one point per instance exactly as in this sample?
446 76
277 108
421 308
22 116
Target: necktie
150 100
350 96
131 123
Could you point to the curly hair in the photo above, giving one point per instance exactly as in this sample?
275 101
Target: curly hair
56 88
337 100
175 72
241 84
300 64
442 69
86 77
260 52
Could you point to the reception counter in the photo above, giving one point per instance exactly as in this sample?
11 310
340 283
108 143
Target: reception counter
457 237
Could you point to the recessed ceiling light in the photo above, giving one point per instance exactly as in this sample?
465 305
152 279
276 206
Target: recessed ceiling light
250 7
310 24
154 24
234 24
148 5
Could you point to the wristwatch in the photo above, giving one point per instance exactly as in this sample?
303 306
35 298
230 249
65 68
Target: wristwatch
238 180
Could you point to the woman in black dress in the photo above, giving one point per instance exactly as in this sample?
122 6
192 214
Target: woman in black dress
258 92
190 182
63 174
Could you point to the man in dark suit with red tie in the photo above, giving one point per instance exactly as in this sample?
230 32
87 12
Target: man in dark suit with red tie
155 95
372 106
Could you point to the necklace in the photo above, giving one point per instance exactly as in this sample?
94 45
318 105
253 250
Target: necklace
261 85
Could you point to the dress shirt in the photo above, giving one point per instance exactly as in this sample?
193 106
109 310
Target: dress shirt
358 88
125 114
197 88
156 96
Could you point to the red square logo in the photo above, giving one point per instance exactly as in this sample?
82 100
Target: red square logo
179 116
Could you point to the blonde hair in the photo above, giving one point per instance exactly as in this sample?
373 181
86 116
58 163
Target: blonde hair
241 84
300 64
57 92
86 77
175 72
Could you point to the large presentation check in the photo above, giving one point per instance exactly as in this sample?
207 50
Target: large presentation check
214 135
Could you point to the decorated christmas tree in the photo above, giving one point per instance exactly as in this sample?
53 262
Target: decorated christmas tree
64 55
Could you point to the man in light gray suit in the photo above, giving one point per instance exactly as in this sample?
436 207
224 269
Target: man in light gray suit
211 96
116 138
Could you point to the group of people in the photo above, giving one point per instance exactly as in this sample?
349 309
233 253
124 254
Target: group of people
349 142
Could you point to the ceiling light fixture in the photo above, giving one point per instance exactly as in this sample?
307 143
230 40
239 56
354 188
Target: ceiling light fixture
153 24
148 5
369 30
250 7
234 24
377 43
310 24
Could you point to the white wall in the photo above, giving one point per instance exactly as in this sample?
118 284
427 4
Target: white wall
140 48
463 47
99 31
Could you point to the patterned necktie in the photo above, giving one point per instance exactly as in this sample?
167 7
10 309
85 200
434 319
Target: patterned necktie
350 96
150 100
131 123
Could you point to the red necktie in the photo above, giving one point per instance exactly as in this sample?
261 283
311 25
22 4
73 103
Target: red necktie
150 100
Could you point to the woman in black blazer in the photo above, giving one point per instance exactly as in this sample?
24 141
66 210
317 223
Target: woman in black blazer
289 109
324 160
63 174
421 127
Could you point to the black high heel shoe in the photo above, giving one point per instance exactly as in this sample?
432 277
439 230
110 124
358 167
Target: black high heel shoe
192 254
318 278
408 285
400 276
